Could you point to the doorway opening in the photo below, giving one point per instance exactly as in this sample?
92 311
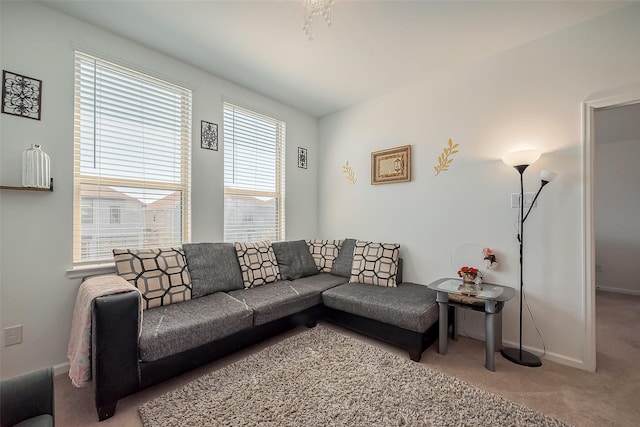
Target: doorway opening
602 107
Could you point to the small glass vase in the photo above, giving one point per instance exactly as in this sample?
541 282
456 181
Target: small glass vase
469 279
470 284
36 168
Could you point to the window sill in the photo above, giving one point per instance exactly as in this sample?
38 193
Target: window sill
81 271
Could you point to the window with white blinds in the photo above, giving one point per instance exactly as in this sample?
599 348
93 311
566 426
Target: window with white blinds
253 176
132 136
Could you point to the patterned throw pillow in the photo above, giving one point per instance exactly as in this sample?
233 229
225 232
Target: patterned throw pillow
375 263
324 253
258 263
161 275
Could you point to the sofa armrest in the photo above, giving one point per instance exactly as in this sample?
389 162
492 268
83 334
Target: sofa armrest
115 323
26 396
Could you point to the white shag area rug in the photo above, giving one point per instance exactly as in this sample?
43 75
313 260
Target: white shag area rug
322 378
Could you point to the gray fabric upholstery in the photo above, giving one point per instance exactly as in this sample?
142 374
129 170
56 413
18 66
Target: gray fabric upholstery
213 267
408 306
276 300
28 398
39 421
294 259
342 264
318 283
178 327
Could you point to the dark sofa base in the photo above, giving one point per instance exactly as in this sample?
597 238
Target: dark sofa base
413 342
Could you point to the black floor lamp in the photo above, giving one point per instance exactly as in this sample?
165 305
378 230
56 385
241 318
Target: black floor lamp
520 160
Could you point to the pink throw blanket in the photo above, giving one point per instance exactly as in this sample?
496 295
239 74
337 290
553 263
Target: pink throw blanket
79 350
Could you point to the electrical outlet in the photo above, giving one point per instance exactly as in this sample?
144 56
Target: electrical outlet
528 198
12 335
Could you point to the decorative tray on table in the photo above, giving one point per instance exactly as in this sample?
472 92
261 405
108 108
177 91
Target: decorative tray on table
484 291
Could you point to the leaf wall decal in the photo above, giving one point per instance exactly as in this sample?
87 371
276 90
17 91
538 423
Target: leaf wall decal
349 173
443 160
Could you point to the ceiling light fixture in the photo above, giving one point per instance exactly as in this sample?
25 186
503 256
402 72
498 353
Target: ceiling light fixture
316 8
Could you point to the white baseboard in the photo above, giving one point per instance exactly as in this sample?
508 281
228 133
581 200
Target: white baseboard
61 369
619 290
553 357
568 361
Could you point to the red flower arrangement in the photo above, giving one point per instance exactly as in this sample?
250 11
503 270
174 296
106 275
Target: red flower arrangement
468 271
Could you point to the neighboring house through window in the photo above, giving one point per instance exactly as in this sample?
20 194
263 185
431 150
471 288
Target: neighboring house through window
131 160
254 146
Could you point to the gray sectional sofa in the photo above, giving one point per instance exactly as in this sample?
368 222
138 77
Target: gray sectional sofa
218 313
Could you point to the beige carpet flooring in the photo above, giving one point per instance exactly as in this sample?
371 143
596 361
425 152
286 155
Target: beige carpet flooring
608 397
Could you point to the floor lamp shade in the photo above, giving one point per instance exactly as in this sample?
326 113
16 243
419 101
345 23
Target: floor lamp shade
521 158
546 176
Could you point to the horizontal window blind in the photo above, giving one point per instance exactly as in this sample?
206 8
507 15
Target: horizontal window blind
132 139
253 176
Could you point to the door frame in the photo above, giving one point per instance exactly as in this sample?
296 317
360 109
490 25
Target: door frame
618 98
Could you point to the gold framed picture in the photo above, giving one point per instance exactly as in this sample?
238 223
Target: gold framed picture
391 165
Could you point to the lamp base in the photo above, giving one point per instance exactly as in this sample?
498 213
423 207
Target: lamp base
521 357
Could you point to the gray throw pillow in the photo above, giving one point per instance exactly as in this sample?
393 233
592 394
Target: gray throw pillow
294 259
214 268
342 264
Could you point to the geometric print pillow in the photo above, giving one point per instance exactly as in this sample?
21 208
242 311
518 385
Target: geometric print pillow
375 263
161 275
258 263
324 253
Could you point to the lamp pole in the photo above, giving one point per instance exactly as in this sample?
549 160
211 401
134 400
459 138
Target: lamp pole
521 239
520 356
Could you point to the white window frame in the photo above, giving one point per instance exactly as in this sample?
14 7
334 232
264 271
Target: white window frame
279 191
182 185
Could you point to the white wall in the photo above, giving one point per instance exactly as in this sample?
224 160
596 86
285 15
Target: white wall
527 97
35 228
616 198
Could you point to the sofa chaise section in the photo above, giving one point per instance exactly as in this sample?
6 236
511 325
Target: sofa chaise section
405 316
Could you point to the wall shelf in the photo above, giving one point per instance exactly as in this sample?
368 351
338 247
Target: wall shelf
10 187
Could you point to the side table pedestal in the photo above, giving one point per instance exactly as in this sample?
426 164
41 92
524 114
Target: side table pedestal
490 301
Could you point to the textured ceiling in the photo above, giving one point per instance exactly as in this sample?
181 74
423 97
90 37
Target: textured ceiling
373 47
